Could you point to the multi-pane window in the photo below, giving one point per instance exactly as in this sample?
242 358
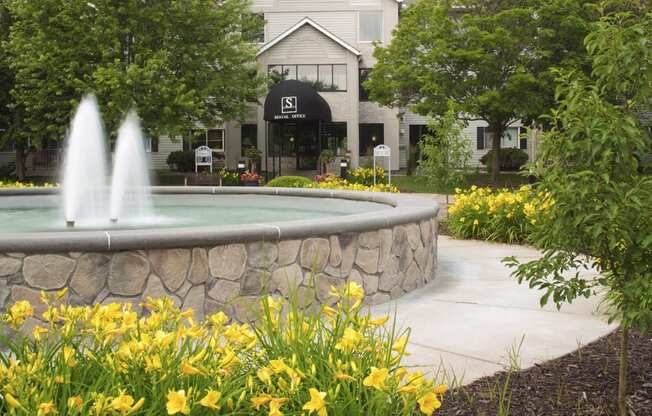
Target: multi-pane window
213 138
371 135
249 137
513 137
322 77
370 26
151 145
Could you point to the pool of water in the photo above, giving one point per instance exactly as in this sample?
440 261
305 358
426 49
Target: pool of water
42 213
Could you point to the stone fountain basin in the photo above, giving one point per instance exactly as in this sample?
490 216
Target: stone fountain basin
228 267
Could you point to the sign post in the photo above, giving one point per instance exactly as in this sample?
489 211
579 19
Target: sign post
383 151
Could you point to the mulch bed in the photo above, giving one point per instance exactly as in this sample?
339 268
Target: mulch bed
584 382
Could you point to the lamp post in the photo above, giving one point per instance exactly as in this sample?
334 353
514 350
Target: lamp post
344 168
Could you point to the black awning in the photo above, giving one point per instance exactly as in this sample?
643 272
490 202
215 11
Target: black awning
295 101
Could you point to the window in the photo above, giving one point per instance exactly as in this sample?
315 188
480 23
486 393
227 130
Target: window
364 75
522 138
370 26
339 77
249 134
308 73
480 138
321 77
151 145
213 138
371 135
334 137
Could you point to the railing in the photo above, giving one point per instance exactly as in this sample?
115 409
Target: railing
45 159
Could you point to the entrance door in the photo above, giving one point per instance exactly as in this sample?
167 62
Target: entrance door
307 146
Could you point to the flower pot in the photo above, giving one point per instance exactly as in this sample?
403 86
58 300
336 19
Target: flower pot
252 183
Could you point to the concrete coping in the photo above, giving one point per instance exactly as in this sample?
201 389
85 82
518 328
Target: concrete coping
406 209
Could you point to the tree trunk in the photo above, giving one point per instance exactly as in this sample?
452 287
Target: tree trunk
622 372
21 156
495 147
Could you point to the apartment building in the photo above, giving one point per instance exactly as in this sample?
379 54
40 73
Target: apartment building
318 53
327 45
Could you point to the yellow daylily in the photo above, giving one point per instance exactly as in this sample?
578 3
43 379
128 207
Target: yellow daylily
177 402
376 378
210 400
316 403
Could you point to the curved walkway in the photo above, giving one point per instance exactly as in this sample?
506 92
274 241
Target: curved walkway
468 320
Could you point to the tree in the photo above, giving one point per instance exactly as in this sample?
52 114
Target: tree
445 152
489 58
601 206
6 76
179 63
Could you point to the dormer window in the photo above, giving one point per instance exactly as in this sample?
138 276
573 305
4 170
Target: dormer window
370 26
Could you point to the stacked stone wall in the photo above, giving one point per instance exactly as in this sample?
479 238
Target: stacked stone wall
387 263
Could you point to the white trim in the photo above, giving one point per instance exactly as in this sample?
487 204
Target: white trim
315 25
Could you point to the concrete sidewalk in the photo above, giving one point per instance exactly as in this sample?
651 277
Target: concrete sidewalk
474 313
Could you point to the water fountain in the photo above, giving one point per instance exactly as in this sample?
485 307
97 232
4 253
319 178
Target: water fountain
205 246
130 195
85 190
86 199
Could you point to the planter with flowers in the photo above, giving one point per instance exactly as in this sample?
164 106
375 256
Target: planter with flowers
250 179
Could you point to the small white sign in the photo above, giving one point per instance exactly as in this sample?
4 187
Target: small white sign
382 151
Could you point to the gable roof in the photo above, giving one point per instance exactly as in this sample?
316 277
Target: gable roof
316 26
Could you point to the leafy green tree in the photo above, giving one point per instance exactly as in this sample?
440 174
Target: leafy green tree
445 152
6 76
492 59
178 63
601 213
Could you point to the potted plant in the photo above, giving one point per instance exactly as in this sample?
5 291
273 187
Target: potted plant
250 179
254 156
326 157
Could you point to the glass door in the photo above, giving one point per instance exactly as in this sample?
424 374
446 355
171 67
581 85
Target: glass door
307 146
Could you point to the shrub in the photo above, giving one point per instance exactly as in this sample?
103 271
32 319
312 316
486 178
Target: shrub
499 215
290 182
365 176
105 359
182 161
230 178
511 159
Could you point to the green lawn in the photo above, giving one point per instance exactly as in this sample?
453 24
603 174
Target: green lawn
419 184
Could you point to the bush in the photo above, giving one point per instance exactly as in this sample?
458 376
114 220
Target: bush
365 176
105 359
511 159
182 161
290 182
501 215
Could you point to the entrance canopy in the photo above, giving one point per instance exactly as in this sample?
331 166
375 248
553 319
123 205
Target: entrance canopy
295 101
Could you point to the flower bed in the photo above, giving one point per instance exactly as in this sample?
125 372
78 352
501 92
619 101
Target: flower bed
496 215
108 360
16 184
335 182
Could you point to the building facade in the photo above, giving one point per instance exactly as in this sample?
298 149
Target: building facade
328 45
